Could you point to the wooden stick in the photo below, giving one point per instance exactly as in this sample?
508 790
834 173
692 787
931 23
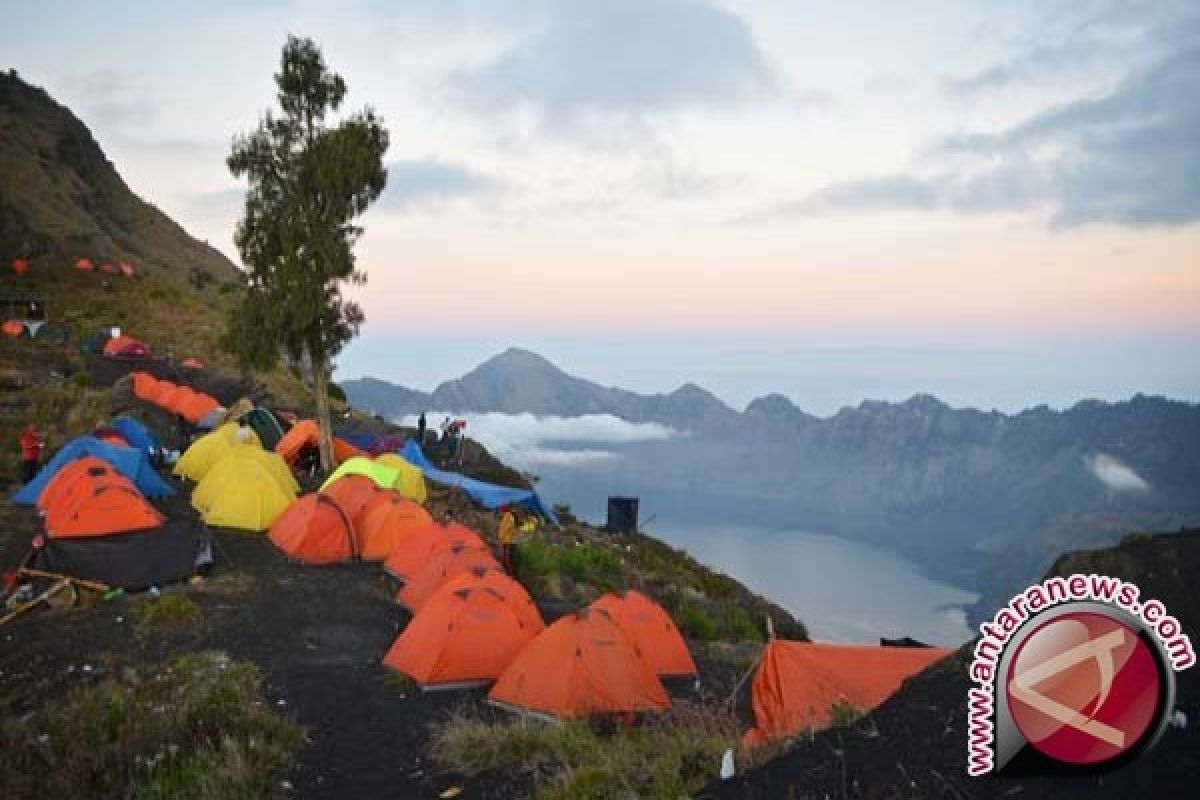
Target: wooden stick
37 573
41 598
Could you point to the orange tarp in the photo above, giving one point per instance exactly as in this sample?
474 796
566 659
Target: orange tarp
303 435
65 477
442 566
197 406
314 530
461 638
385 521
798 683
648 625
412 554
145 386
353 493
107 508
582 664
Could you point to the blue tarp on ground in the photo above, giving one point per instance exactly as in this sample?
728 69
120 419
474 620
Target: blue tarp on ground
133 464
137 434
488 495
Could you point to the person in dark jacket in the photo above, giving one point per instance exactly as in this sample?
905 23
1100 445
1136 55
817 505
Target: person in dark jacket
421 429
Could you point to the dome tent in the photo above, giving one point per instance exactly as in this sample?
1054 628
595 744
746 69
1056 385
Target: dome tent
651 628
581 665
353 493
415 551
385 521
210 448
461 638
133 464
244 490
442 566
411 481
314 530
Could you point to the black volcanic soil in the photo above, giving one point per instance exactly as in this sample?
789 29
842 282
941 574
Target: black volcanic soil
317 635
914 745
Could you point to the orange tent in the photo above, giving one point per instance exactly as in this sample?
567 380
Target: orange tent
415 551
20 266
353 493
101 507
191 362
497 580
195 406
651 628
462 638
14 328
798 683
314 530
125 345
447 563
303 435
582 664
65 477
84 265
146 386
385 521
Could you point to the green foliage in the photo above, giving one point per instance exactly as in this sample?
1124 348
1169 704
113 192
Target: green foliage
337 393
667 756
307 181
539 561
194 728
842 714
696 622
167 611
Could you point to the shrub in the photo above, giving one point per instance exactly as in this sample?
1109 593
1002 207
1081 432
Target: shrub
195 727
695 622
737 625
670 755
166 611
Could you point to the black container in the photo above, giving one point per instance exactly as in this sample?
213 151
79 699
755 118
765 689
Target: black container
622 515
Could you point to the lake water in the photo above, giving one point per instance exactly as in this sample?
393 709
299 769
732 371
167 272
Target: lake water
841 589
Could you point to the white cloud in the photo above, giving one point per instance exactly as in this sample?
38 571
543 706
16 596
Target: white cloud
1115 474
528 440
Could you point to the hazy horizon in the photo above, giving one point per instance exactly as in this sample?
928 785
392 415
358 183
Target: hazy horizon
819 379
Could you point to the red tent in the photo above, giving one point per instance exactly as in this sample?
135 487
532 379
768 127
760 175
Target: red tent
20 266
126 347
84 265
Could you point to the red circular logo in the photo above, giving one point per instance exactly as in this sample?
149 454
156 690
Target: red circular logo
1084 688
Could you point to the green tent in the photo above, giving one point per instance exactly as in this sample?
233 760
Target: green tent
385 477
263 423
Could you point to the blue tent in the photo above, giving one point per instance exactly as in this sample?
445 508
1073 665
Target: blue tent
137 434
362 441
130 462
488 495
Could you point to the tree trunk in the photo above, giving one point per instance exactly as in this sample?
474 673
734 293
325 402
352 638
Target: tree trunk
320 368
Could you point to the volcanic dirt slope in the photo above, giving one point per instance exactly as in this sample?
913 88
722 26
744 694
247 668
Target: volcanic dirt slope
60 197
914 745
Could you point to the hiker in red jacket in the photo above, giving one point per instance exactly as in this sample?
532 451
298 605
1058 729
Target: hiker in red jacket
31 453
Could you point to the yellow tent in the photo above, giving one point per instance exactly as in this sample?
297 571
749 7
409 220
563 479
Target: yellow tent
249 488
246 497
411 483
241 458
210 448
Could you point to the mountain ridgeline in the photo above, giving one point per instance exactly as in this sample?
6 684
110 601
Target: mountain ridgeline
983 499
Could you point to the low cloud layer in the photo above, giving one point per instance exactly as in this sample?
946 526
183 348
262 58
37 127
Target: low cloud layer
530 441
1114 474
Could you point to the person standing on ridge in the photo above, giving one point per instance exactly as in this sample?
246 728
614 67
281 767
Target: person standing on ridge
32 443
508 536
421 430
